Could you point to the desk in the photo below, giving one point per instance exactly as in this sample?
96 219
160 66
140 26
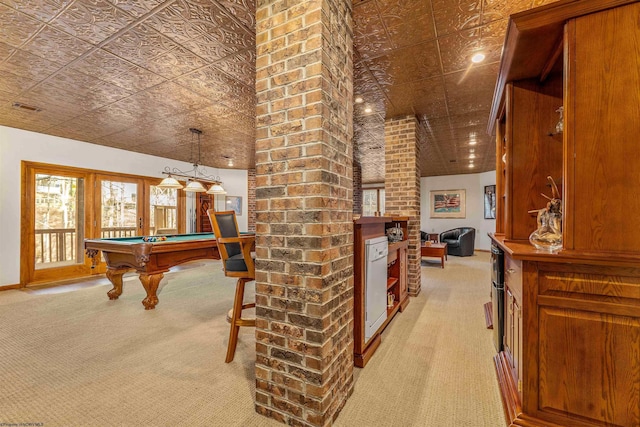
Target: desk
150 259
435 250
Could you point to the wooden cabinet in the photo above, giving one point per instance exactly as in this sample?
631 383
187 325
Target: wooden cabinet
397 280
572 318
513 319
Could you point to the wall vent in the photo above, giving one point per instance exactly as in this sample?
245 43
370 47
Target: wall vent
22 106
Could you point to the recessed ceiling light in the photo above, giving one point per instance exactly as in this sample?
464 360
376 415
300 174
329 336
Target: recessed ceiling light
472 142
359 100
368 110
471 165
478 57
472 156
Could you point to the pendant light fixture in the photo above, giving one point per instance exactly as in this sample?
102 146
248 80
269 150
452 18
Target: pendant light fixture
196 176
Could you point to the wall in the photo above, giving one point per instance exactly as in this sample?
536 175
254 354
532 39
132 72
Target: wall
474 186
17 145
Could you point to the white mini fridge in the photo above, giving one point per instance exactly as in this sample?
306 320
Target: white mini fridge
375 279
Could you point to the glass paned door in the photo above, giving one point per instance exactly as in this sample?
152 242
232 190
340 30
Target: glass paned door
59 221
163 210
120 213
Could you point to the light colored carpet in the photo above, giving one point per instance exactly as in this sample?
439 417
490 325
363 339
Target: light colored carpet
78 359
434 366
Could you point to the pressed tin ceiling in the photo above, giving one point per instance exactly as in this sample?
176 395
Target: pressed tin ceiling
137 74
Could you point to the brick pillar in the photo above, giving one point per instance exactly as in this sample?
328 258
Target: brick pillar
402 184
251 199
357 188
304 228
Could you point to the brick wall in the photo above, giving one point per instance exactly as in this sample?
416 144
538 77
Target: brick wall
251 199
304 198
402 184
357 188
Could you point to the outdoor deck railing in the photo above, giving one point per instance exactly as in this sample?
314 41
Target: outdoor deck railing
54 245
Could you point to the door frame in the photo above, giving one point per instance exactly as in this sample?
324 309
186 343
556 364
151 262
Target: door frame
28 274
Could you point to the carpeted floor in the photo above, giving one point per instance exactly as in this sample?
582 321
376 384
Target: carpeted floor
77 359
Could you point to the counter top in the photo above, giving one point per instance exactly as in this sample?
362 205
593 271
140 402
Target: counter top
523 250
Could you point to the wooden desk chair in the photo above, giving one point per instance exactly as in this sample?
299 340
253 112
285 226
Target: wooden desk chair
235 251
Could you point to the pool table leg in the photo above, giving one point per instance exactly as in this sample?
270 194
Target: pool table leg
150 283
115 277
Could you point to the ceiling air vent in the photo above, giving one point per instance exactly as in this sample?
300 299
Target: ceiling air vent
26 107
452 161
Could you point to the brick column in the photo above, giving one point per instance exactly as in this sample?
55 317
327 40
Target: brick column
251 199
357 188
304 228
402 185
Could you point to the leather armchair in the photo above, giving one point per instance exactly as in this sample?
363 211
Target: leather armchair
460 241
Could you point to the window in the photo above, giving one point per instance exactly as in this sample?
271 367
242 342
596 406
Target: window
373 201
61 206
59 220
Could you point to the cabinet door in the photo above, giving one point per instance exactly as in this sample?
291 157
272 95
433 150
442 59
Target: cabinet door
508 325
517 345
513 336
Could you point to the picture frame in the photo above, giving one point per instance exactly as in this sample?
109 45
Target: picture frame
447 204
490 202
233 203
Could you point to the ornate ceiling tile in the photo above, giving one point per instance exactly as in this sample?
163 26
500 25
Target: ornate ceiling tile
423 97
42 10
458 48
207 48
140 45
16 27
494 10
74 81
6 51
452 16
420 29
175 62
410 57
467 92
117 71
178 97
15 84
175 23
233 36
56 45
26 64
369 35
243 11
241 67
137 8
363 80
92 20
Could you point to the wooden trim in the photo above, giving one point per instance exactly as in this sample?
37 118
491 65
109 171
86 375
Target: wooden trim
9 287
568 138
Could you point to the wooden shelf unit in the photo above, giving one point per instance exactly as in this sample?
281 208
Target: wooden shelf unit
571 317
397 280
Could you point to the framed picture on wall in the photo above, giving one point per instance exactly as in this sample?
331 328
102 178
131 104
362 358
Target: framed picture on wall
233 203
489 202
447 203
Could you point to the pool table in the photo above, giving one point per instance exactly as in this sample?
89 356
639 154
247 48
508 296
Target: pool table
151 259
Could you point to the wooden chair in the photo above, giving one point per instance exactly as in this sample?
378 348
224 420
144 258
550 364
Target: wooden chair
235 251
